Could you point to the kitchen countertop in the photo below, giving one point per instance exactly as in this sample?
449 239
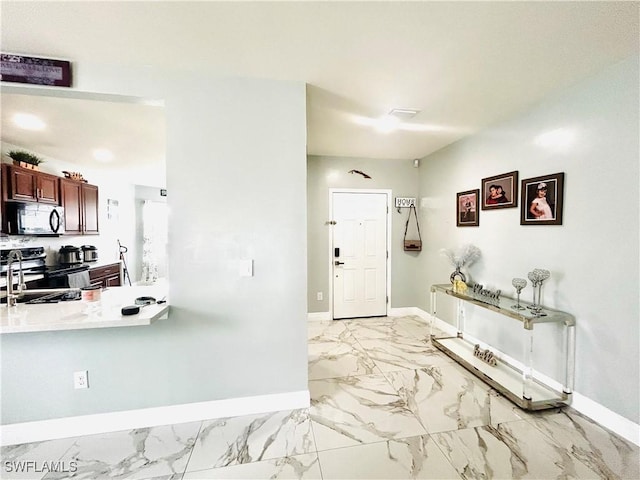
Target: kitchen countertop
79 315
100 263
97 264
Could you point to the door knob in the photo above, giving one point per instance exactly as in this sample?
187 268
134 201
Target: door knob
338 263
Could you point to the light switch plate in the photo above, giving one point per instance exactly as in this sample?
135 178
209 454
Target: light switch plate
246 268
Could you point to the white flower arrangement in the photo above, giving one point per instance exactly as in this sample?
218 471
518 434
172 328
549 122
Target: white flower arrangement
463 256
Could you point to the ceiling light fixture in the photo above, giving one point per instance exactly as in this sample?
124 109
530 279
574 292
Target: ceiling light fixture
394 119
404 113
390 123
387 124
103 155
28 121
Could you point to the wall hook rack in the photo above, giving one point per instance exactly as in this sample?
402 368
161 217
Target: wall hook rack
404 202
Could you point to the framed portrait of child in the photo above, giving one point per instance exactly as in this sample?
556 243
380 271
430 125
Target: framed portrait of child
500 191
542 200
467 208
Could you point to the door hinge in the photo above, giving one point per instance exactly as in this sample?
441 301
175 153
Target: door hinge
387 298
387 253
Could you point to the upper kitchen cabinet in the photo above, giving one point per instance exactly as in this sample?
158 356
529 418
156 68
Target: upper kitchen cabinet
26 185
80 202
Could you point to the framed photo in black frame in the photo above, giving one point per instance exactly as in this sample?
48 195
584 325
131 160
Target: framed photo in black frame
500 191
467 211
542 199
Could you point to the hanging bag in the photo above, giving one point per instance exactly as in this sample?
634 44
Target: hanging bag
412 245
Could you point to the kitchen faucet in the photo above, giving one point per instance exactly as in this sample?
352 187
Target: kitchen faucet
12 296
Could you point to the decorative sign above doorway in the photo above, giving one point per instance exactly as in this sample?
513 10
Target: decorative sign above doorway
34 70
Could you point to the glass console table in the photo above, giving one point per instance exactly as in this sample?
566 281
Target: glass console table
518 385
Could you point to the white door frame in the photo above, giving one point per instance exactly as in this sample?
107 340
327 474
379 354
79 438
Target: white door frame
388 192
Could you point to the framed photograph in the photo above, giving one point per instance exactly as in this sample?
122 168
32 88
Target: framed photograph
467 208
542 200
500 191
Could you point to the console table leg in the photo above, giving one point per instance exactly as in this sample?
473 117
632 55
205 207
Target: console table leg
527 371
570 359
459 317
433 312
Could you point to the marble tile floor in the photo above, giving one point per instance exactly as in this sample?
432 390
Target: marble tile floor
385 404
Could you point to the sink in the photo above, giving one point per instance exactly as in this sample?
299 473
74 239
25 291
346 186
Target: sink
25 298
36 298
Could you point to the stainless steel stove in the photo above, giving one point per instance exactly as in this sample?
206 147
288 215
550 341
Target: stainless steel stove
57 276
33 263
33 259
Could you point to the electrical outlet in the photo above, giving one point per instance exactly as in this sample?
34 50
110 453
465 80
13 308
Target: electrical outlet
81 379
319 296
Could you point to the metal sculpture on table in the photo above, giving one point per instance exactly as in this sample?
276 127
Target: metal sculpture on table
519 284
537 277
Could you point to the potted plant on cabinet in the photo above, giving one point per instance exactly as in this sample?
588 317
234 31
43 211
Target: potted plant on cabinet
25 159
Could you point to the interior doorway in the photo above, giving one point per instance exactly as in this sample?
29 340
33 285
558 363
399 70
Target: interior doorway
359 253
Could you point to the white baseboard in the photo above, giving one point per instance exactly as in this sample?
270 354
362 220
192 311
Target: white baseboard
598 413
401 311
406 311
149 417
608 419
392 312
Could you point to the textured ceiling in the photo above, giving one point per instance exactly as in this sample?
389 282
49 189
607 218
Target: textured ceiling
134 132
464 65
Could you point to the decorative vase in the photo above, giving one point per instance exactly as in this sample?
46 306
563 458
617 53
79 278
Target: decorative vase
458 275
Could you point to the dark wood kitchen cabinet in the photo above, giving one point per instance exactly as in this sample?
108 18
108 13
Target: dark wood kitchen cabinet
105 276
80 202
25 185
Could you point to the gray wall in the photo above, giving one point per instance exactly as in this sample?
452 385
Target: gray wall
324 173
236 158
593 257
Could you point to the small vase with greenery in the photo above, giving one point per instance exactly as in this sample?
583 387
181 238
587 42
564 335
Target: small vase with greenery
463 256
25 159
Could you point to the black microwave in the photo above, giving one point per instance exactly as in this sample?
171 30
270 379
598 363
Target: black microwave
35 219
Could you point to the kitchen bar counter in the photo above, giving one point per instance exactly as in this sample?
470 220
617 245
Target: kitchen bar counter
79 315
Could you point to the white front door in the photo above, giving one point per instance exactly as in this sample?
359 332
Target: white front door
359 254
